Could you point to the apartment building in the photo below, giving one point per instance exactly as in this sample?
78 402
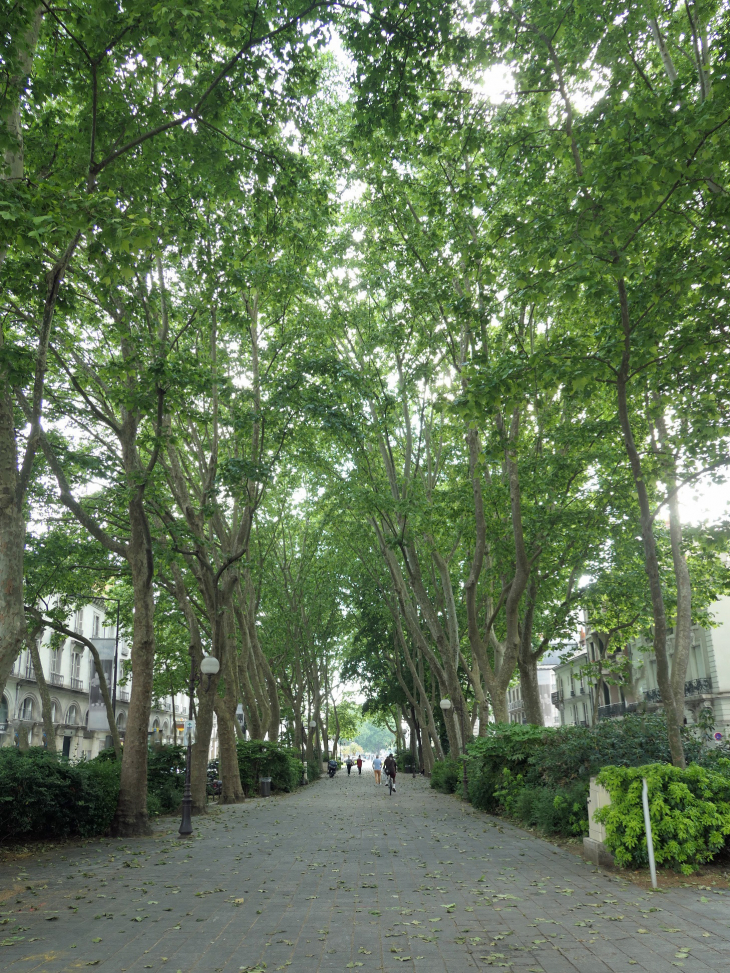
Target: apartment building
79 715
707 685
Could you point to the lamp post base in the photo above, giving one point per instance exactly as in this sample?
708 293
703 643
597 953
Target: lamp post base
186 824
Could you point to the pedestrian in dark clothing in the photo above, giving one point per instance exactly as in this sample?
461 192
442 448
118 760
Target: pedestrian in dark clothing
359 764
348 764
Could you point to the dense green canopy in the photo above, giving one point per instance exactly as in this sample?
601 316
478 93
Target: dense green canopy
331 359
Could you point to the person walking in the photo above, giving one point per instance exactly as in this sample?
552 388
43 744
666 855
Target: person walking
359 763
390 767
377 768
348 764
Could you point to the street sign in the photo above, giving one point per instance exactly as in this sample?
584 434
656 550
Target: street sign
189 733
718 736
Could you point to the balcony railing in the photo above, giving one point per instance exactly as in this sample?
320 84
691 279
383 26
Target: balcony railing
56 679
29 671
612 710
698 687
557 697
76 683
695 687
123 695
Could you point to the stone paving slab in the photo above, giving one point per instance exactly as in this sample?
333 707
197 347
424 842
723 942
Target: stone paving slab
343 876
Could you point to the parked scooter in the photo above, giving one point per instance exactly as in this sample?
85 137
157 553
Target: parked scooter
331 767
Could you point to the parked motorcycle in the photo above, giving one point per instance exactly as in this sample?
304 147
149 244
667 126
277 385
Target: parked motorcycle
331 767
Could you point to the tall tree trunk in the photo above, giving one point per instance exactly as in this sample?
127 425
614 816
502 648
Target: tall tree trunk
201 748
231 790
651 560
131 814
225 710
683 623
12 539
498 699
530 689
527 662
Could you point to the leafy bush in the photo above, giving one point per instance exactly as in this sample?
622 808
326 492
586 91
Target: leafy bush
42 795
539 775
557 757
165 779
403 759
561 811
260 758
689 809
445 775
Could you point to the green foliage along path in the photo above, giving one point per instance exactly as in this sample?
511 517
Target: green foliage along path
331 360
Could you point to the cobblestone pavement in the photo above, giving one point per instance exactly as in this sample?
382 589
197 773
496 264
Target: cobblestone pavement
343 876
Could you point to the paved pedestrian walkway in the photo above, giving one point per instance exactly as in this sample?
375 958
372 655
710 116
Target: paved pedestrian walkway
341 876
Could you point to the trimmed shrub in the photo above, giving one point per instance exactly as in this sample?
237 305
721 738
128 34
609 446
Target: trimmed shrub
689 809
260 758
445 775
539 775
42 795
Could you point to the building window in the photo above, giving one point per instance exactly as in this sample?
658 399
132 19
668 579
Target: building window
76 666
95 627
3 711
79 622
606 694
26 709
72 717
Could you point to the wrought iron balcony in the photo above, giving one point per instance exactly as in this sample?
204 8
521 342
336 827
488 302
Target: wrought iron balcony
557 697
29 672
612 710
56 679
695 687
698 687
123 695
76 683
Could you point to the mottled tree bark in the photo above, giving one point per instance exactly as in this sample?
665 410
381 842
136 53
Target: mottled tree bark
651 560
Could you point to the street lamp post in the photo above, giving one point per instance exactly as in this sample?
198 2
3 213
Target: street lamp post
446 705
208 667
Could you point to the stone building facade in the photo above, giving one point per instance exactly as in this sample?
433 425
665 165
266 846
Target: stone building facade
69 671
707 686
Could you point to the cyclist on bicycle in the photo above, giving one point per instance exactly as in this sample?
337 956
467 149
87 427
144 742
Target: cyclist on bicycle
390 767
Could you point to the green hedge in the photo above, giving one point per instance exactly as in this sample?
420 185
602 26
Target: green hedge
540 775
44 796
446 775
689 809
260 758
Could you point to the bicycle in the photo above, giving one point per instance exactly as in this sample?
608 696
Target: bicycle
390 783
